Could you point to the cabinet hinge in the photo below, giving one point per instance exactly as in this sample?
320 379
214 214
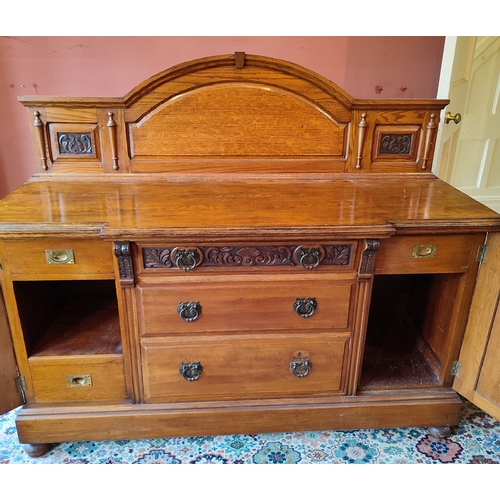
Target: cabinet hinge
455 368
481 253
21 385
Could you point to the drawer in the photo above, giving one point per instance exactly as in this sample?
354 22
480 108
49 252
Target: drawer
243 368
244 306
426 254
78 378
54 258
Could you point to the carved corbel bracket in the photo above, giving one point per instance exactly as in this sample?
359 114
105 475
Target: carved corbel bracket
125 267
368 258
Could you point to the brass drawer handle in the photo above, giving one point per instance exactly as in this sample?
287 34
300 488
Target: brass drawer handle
60 256
191 371
186 259
305 307
309 258
78 380
424 251
300 367
189 311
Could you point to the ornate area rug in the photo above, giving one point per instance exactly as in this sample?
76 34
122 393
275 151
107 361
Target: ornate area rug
475 441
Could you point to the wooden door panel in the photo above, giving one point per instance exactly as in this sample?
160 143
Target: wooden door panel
479 379
9 397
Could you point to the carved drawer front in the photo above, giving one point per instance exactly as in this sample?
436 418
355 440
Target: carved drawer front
243 367
78 378
425 254
245 306
285 257
54 258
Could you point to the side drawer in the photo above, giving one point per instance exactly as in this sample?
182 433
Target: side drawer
78 378
244 368
245 306
54 258
426 254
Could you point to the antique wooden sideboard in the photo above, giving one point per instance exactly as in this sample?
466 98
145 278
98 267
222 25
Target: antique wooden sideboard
235 246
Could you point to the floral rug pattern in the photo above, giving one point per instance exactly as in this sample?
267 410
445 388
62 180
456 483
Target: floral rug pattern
475 441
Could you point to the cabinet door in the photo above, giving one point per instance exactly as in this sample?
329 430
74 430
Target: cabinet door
9 397
479 377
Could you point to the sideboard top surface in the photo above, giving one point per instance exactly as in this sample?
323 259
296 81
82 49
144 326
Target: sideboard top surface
349 205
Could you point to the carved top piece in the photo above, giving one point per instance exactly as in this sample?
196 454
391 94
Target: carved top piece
235 114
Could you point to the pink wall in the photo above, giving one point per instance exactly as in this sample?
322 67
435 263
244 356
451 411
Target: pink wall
111 66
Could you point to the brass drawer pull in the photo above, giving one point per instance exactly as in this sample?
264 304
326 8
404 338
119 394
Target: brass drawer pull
309 258
424 251
191 371
79 380
300 367
60 256
189 311
186 259
305 307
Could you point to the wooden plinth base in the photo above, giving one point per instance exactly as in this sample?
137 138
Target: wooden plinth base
437 408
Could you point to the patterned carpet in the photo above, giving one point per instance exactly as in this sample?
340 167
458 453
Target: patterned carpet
475 441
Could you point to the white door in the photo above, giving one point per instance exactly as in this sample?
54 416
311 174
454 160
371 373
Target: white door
468 152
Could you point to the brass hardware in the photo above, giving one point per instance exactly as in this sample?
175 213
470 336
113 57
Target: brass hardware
455 368
186 259
189 311
20 382
457 118
424 251
309 258
300 367
191 371
481 253
60 256
78 380
305 307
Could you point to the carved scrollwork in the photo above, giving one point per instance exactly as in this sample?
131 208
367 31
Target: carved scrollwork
396 144
249 256
74 144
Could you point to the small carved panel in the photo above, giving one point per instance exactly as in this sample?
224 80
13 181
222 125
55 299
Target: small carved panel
252 256
74 142
396 143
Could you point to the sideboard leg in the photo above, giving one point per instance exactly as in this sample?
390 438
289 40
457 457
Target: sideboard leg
37 450
440 432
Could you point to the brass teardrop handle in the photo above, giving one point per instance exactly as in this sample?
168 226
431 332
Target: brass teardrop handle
309 258
191 371
300 367
186 259
305 307
189 311
452 118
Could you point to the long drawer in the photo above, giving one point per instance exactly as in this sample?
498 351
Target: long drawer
248 367
245 306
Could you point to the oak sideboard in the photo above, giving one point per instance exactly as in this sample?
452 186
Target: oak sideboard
235 246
